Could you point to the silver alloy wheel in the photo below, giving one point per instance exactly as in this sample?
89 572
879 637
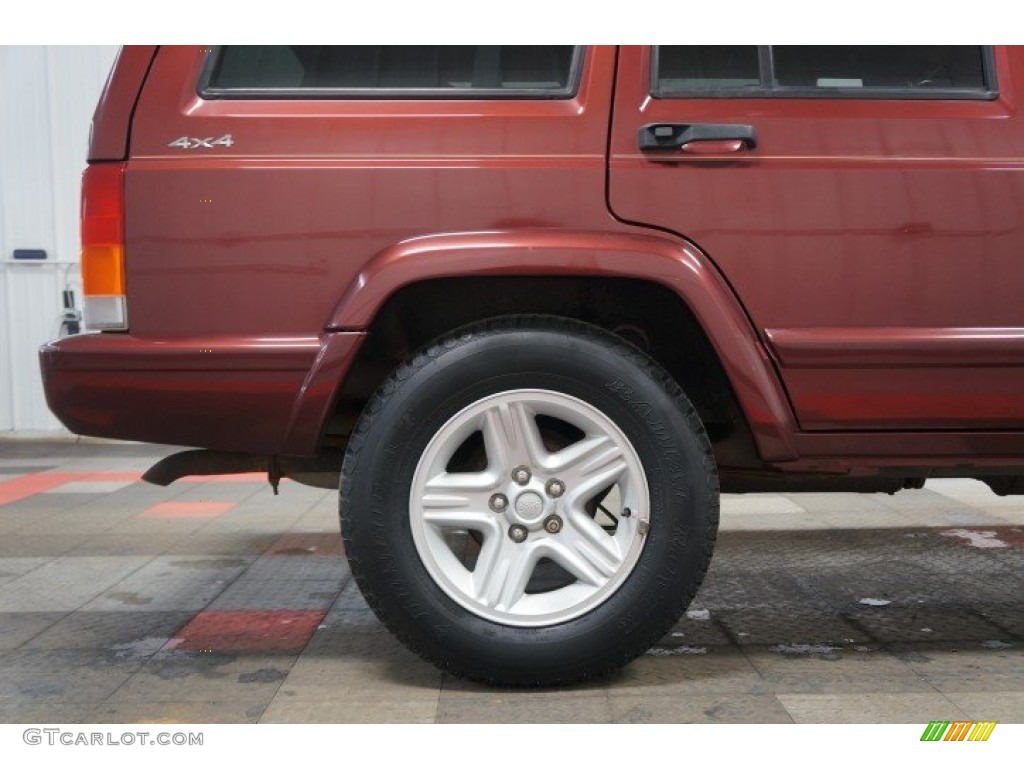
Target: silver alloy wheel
475 549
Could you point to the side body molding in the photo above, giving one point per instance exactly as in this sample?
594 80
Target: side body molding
675 265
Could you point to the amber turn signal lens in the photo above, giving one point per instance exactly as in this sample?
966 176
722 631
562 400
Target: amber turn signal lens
103 270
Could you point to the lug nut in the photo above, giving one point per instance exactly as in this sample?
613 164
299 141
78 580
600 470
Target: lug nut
499 502
555 488
553 524
521 475
518 533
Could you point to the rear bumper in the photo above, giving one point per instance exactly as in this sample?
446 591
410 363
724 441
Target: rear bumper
266 394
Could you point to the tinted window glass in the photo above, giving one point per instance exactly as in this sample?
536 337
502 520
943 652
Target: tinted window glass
687 67
879 66
399 67
912 71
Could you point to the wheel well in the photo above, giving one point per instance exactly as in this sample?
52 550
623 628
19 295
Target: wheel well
646 314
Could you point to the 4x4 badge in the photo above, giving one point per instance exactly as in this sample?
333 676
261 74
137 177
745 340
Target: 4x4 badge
189 142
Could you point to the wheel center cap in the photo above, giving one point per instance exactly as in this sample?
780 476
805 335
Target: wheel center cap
529 507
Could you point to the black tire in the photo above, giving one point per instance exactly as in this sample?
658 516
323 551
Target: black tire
502 355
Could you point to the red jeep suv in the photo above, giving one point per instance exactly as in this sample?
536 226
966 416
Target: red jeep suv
532 308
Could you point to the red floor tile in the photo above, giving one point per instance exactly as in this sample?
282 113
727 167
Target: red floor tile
248 631
1013 537
41 482
29 485
185 509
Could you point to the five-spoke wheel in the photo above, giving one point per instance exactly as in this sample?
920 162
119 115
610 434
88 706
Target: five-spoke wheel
558 527
529 501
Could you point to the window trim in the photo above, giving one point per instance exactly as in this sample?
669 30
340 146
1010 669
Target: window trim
210 93
767 89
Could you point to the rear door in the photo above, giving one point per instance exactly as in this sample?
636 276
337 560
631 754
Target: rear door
864 202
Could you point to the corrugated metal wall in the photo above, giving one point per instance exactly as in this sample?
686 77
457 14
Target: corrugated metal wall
47 94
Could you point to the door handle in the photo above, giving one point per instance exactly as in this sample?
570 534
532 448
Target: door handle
697 138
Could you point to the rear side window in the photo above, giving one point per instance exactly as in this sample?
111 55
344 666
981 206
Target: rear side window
850 71
686 67
391 71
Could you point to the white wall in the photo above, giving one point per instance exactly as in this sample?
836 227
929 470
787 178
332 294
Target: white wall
47 97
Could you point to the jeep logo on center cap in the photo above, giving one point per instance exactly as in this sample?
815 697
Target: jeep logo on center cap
529 506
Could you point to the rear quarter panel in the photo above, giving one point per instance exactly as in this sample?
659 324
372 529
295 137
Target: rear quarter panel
267 234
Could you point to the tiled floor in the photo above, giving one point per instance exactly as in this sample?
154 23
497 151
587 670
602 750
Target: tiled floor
215 601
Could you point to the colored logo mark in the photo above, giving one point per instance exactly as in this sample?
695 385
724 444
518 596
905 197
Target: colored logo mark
939 730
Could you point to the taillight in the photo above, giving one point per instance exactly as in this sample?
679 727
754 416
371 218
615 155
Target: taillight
103 247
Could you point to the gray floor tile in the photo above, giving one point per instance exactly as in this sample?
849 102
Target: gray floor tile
720 671
870 707
351 708
141 634
249 594
23 465
223 711
192 676
19 709
63 676
1001 706
67 583
852 669
321 677
92 486
239 544
739 521
969 667
697 708
523 707
48 546
18 629
13 567
172 583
